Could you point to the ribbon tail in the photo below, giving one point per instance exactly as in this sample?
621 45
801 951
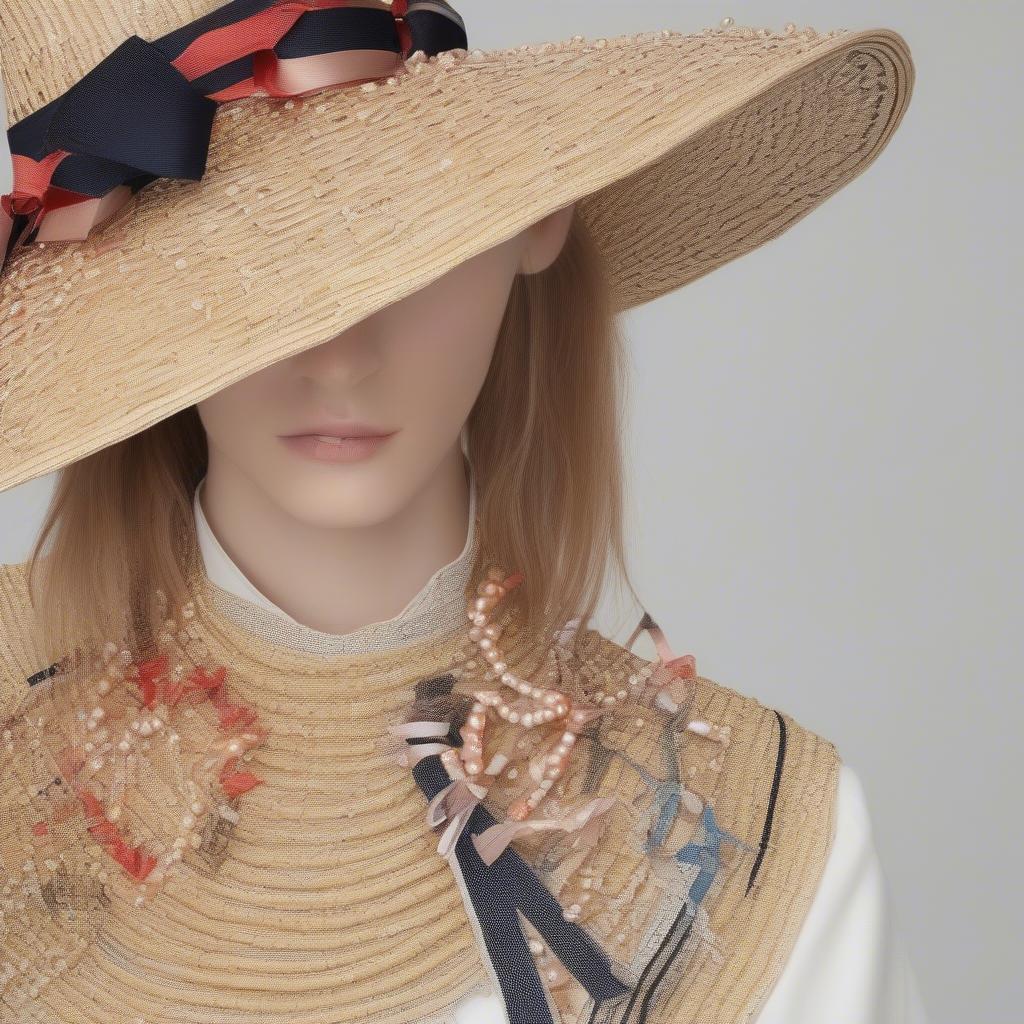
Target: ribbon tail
493 906
452 834
499 892
574 947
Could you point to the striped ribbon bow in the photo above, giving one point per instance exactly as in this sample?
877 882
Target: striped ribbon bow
146 111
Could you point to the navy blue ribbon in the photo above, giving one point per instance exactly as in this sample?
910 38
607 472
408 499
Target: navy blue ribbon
135 110
502 890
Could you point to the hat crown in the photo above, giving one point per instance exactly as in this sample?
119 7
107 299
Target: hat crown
48 45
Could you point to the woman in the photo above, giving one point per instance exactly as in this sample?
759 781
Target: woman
304 720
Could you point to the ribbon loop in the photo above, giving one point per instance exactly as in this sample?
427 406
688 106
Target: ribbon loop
586 821
455 805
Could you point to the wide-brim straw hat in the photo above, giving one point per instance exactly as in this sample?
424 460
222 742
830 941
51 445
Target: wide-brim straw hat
307 214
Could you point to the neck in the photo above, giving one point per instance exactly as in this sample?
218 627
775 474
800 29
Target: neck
338 579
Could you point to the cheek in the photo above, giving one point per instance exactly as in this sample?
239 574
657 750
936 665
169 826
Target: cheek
434 383
232 416
443 346
442 373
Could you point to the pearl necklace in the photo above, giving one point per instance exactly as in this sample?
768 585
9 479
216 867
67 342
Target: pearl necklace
538 705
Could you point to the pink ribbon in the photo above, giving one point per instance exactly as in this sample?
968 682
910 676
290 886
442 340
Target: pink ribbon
585 820
454 804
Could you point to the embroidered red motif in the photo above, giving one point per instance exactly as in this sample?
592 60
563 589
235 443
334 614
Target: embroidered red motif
143 716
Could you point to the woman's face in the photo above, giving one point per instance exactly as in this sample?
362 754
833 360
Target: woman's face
412 370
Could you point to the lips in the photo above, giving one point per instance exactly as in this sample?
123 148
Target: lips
341 438
338 444
328 438
328 431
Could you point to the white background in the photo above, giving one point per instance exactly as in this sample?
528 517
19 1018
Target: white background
826 470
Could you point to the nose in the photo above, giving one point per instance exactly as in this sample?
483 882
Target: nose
342 362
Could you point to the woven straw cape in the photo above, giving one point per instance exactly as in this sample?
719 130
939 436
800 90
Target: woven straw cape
258 851
161 248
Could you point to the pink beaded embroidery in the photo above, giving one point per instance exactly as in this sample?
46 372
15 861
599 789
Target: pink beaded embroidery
537 706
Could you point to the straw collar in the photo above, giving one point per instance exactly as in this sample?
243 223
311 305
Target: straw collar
316 889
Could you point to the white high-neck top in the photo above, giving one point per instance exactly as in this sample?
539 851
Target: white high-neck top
848 966
439 604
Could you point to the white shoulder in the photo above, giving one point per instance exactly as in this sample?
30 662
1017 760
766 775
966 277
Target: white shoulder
848 965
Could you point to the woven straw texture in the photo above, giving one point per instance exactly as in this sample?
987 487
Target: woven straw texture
327 900
683 151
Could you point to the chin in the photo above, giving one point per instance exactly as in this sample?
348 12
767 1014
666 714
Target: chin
338 500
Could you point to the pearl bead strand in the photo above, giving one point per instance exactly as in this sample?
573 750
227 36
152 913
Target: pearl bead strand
538 705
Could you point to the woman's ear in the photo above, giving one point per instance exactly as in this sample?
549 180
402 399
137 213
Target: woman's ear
543 240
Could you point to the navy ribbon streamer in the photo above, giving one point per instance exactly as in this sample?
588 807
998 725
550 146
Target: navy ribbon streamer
500 892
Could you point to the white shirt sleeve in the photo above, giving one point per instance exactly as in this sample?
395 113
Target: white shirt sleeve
848 965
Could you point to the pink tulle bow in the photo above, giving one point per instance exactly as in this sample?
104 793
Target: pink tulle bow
454 804
586 820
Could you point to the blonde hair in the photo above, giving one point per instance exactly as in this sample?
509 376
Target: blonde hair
543 437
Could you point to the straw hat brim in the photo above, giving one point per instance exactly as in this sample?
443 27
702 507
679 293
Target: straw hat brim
683 152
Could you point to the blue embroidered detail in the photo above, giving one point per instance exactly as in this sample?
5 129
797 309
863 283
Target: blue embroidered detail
705 854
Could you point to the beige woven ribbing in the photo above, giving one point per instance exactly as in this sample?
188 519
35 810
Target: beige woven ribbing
684 151
329 902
